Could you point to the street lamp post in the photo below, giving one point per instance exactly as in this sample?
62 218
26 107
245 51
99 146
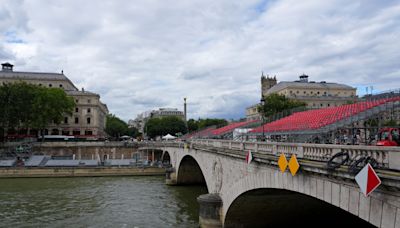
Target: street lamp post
263 117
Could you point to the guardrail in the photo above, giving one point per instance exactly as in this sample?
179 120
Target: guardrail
386 157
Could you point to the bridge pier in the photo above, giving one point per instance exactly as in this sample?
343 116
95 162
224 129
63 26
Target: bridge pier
210 210
170 176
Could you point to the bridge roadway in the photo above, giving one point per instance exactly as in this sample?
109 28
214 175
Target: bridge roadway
242 195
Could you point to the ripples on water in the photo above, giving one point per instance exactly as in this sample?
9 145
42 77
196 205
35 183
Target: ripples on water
97 202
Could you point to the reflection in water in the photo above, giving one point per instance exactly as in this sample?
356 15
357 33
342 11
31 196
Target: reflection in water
97 202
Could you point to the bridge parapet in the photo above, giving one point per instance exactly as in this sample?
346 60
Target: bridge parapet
387 157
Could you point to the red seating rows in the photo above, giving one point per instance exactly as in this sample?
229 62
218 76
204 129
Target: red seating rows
200 134
231 127
314 119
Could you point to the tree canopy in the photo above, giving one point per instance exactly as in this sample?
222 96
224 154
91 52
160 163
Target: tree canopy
115 127
166 125
25 105
276 103
194 125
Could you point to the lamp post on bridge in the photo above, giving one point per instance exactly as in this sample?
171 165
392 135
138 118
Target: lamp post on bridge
262 101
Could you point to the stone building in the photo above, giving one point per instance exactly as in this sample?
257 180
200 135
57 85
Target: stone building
267 83
89 117
252 113
315 94
140 121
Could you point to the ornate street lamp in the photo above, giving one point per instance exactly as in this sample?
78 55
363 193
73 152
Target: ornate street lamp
263 117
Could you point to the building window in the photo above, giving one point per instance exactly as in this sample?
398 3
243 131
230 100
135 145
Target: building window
40 84
65 133
50 85
76 109
76 101
61 86
304 92
318 92
329 105
88 120
88 101
76 120
65 120
88 110
88 133
322 105
297 91
76 132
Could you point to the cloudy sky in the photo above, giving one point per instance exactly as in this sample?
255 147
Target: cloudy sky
141 55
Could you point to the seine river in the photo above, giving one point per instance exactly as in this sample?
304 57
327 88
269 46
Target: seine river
97 202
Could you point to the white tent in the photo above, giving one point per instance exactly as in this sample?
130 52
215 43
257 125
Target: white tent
168 137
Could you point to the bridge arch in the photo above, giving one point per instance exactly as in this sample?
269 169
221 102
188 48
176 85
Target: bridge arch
272 207
190 172
303 187
166 158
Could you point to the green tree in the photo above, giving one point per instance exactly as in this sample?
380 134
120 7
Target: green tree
116 127
132 131
25 105
276 103
50 105
194 125
166 125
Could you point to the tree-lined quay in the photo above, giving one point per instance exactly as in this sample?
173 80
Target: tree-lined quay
29 106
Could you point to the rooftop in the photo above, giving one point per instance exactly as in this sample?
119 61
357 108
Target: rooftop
303 83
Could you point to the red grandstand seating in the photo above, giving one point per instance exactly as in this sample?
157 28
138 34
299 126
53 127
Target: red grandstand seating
231 127
199 134
314 119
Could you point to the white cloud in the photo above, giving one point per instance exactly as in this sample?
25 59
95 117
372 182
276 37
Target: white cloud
148 54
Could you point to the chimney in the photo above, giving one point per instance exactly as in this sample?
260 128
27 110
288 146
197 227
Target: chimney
304 78
6 67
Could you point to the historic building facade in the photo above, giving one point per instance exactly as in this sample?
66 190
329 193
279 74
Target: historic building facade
140 121
88 119
315 94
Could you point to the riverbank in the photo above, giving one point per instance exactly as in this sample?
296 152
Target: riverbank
24 172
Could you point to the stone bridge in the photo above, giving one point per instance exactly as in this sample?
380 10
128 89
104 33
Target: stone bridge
259 194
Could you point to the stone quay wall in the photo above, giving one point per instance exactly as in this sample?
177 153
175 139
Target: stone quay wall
87 150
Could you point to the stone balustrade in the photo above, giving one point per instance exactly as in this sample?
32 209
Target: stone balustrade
387 157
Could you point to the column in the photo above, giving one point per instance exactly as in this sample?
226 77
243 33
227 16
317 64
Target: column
170 176
210 210
79 153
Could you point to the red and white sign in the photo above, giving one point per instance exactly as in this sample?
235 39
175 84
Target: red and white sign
367 180
249 157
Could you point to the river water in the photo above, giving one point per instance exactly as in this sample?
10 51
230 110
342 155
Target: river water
97 202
